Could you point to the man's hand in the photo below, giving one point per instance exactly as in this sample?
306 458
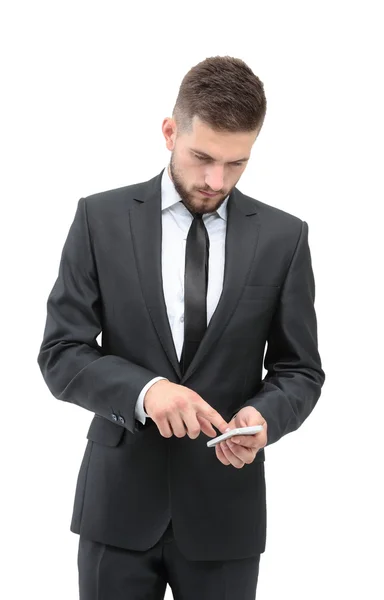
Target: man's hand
178 410
242 449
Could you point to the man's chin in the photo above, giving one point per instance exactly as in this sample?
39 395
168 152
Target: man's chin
197 202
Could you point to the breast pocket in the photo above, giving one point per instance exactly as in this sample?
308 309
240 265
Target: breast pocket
254 313
259 293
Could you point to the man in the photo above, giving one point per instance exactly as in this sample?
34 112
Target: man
188 279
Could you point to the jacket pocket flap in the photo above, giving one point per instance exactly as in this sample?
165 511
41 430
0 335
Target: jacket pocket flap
259 292
105 432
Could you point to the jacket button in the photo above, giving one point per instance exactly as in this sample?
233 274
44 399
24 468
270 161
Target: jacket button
121 419
114 417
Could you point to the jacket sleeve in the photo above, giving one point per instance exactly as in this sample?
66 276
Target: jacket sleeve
70 359
294 379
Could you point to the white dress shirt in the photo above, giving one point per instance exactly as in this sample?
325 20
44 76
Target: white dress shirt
176 221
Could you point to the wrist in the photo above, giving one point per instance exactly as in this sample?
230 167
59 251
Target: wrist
150 391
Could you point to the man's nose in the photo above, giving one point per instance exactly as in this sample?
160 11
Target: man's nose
214 178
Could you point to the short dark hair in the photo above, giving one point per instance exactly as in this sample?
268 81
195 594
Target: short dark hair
224 93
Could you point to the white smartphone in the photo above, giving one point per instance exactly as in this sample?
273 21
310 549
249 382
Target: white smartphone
232 432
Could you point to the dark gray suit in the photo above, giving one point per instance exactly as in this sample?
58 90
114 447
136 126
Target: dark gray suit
132 480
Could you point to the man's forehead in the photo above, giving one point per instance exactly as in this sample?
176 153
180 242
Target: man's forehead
201 132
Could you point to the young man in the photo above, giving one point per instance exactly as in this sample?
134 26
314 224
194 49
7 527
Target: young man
188 279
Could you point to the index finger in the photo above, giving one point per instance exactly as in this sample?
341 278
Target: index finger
214 417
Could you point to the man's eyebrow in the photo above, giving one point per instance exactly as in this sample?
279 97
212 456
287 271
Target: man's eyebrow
210 157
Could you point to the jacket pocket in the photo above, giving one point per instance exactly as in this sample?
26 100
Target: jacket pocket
105 432
259 292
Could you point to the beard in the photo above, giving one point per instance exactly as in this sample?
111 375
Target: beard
191 201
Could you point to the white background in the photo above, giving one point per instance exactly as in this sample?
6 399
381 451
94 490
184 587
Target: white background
85 87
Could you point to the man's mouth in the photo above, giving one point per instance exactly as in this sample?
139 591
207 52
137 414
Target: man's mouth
209 195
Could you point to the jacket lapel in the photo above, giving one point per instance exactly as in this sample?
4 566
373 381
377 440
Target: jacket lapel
146 232
241 241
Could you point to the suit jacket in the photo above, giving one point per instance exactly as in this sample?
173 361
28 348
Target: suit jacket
132 480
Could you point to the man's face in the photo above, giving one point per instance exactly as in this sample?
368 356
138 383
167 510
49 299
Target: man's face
204 160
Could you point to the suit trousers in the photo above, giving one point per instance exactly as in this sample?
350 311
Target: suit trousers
111 573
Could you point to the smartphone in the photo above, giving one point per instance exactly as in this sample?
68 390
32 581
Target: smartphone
232 432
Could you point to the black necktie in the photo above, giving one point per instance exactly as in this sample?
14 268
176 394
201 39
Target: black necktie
195 289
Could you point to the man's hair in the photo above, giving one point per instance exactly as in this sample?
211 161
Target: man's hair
224 93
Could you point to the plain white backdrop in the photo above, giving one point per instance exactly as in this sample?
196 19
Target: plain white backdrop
85 87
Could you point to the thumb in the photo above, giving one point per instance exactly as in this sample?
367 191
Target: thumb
239 420
231 425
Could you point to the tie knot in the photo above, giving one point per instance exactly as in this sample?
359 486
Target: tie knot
198 215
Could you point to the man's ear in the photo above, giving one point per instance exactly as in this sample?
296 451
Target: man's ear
169 130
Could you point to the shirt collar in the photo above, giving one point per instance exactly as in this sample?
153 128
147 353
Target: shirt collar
169 196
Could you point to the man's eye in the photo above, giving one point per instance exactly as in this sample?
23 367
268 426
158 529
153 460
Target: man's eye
203 158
